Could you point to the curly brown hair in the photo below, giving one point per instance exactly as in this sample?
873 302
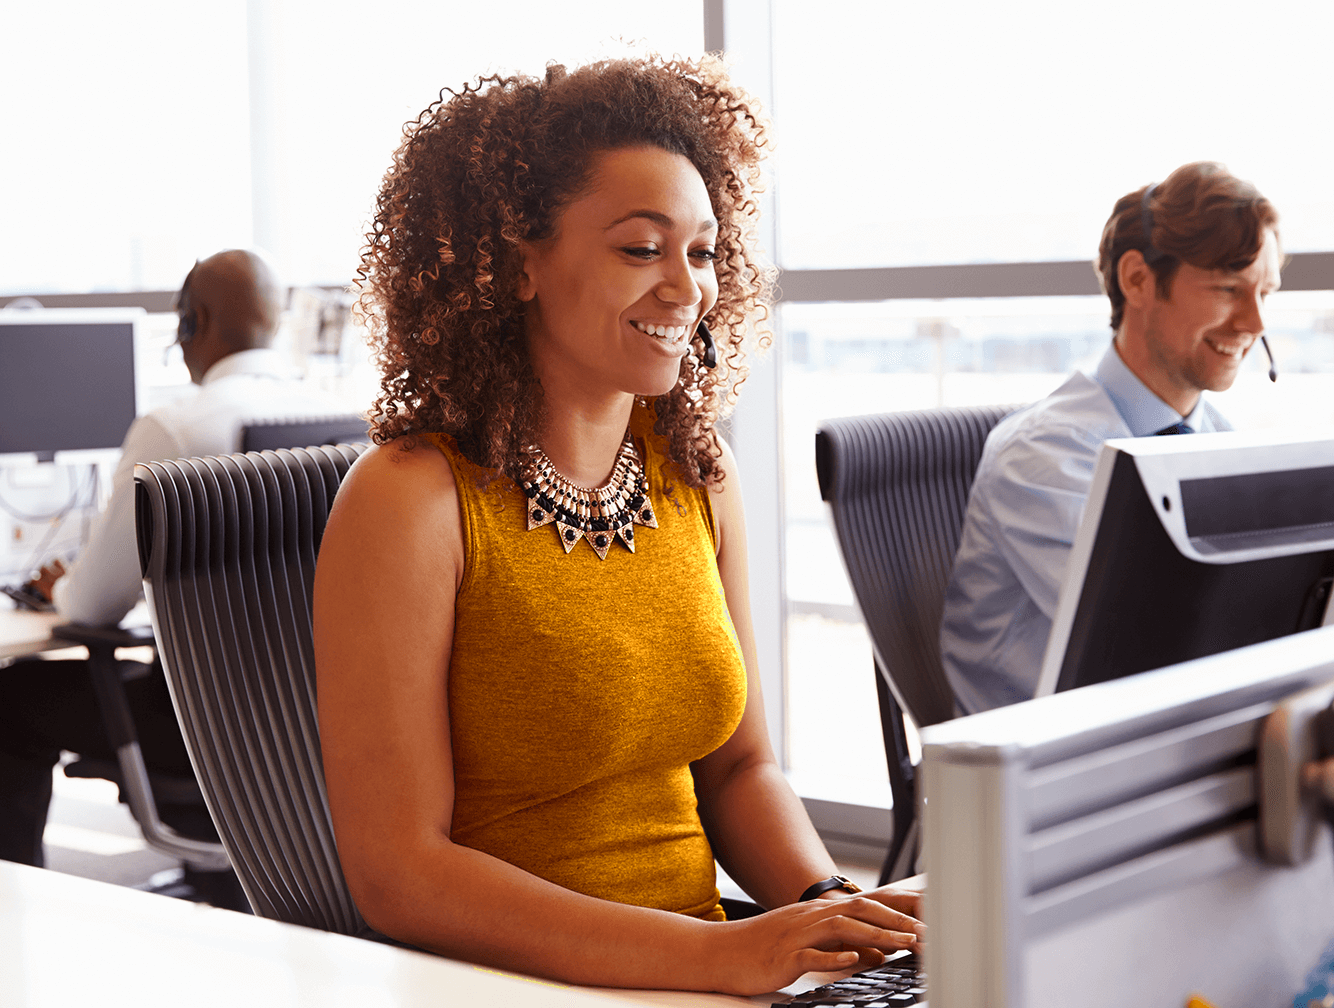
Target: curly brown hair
494 164
1200 214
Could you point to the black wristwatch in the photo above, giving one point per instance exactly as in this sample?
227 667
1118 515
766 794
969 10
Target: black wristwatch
832 882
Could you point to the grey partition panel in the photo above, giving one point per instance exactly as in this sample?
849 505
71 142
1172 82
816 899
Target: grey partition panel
898 486
291 432
1053 826
229 545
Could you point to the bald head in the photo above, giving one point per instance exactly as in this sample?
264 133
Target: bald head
229 302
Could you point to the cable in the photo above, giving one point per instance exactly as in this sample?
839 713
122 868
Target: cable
59 512
57 519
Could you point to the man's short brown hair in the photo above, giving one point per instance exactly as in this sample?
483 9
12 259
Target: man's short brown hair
1201 214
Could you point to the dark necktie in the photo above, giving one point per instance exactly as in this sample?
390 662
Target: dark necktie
1177 428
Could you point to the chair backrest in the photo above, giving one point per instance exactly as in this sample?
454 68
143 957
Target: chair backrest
298 432
227 546
898 485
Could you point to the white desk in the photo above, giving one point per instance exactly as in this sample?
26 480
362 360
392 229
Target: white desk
25 633
69 941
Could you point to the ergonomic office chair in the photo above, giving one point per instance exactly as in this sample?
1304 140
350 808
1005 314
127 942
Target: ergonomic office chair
140 787
227 546
898 484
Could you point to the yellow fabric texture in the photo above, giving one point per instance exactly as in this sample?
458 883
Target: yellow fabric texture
580 690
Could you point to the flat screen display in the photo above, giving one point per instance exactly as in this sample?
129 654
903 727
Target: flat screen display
66 380
1192 546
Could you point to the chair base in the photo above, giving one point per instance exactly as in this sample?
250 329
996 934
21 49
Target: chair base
220 889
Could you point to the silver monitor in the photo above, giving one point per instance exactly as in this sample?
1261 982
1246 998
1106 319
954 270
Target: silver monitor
1101 846
1193 545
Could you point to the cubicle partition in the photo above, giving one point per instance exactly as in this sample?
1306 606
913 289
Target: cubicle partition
1101 847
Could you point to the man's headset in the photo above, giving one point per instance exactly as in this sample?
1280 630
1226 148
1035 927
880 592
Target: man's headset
189 320
1153 255
185 328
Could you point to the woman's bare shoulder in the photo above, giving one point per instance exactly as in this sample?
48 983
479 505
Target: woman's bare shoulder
403 471
399 497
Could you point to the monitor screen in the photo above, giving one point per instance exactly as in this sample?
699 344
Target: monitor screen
1190 546
67 381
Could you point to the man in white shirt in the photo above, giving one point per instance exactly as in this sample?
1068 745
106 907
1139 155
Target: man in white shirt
229 309
1186 265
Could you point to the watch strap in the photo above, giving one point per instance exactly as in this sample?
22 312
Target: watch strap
832 882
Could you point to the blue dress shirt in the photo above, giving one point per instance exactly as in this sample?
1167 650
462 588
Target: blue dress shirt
1023 513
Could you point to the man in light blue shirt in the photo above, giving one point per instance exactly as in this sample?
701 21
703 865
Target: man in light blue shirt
1186 265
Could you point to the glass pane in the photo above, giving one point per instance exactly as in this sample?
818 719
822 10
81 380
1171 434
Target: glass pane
851 359
344 83
973 131
157 132
127 146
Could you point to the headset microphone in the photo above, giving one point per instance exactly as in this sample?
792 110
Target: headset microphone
710 356
1273 368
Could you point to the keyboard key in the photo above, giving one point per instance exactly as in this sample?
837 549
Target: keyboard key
900 982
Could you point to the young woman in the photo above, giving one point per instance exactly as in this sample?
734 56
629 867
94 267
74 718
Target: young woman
539 706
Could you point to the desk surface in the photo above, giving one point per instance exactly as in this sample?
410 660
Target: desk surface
24 633
69 941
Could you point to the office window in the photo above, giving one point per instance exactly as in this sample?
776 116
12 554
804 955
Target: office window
127 149
148 133
975 132
343 83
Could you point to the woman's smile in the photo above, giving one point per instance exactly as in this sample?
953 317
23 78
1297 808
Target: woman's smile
673 340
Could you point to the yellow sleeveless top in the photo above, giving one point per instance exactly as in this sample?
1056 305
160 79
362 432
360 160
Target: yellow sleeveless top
580 691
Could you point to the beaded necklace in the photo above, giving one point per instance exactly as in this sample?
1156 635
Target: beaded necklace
601 514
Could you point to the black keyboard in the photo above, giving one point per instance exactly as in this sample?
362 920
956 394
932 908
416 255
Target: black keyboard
898 982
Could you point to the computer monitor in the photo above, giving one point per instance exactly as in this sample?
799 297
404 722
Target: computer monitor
68 379
1194 545
1100 847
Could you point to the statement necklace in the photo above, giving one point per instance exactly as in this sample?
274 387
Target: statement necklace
609 512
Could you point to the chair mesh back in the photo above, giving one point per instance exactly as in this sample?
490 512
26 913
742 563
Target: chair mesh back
898 486
228 547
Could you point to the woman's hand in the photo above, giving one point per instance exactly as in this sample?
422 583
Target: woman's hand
904 900
768 952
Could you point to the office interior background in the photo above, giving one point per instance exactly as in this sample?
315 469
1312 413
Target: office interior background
939 179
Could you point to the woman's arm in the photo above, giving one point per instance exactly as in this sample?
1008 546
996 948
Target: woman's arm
390 564
759 829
